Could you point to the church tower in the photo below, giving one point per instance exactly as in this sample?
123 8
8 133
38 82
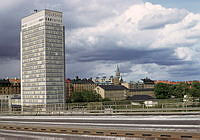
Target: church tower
116 79
117 74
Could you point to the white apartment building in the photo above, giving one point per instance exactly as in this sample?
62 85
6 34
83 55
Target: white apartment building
42 58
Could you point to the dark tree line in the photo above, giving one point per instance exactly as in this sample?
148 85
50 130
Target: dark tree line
166 91
86 96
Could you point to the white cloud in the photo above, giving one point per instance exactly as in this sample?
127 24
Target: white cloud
125 30
156 16
146 27
184 53
92 40
185 32
90 12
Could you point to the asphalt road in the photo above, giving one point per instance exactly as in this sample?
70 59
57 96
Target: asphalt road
163 123
19 135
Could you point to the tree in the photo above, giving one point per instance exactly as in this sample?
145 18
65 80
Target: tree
180 90
86 96
162 91
195 89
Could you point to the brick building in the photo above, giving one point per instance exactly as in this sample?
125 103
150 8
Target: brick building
112 92
78 85
9 86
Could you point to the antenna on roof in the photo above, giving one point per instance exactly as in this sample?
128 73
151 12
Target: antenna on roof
35 11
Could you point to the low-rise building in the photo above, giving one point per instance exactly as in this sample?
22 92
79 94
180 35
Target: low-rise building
133 85
143 91
146 83
4 104
146 87
112 92
103 80
78 85
68 89
9 87
112 80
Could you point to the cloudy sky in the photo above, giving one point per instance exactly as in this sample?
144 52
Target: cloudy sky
159 39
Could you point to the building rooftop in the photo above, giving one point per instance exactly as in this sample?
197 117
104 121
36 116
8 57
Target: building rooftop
77 80
38 11
113 87
14 80
82 82
147 81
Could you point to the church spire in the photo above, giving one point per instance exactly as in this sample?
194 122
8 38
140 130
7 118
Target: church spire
117 72
117 68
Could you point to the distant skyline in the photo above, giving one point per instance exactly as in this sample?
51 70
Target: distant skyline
159 39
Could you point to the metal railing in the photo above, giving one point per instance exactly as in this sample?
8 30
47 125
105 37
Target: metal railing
100 108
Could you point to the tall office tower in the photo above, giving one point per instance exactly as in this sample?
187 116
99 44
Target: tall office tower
42 58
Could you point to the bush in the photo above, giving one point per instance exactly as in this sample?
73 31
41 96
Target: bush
85 96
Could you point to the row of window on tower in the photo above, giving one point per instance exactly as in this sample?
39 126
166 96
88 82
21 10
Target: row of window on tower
52 19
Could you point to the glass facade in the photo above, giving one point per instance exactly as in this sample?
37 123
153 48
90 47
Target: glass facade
42 58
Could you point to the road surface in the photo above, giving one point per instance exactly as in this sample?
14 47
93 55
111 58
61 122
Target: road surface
179 123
